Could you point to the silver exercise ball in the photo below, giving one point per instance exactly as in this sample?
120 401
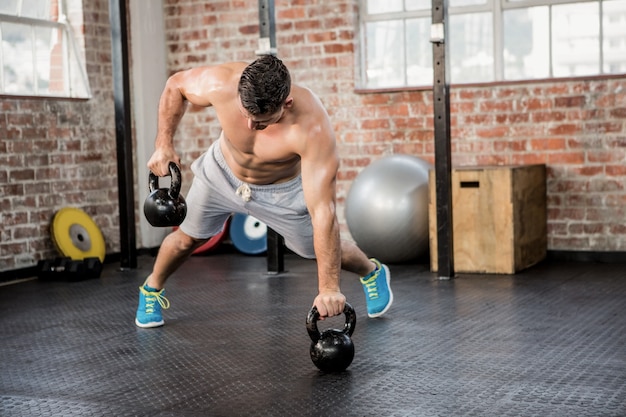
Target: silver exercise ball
387 208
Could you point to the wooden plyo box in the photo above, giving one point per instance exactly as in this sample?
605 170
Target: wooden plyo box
498 216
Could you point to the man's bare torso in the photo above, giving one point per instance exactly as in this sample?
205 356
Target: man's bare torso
259 157
267 156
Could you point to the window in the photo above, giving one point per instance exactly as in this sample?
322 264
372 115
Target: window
492 40
38 52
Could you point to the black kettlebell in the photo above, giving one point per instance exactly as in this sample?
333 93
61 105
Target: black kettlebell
331 350
165 207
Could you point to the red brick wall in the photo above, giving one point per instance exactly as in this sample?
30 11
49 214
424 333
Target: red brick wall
577 127
57 153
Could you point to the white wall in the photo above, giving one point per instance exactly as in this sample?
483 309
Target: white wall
149 73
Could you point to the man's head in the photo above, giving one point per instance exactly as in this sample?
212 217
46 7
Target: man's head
264 86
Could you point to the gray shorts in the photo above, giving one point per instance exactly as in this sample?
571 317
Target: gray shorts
216 193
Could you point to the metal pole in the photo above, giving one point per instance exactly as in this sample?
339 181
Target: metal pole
275 252
267 28
443 158
121 94
267 46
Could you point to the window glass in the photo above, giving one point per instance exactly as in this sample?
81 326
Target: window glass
385 54
18 62
461 3
384 6
37 9
614 39
575 39
471 48
50 68
39 54
42 58
418 4
526 46
76 79
8 7
419 52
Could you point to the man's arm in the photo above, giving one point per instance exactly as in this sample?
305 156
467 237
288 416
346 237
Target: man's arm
196 86
319 164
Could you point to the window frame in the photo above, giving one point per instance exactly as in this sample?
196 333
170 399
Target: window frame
70 47
497 9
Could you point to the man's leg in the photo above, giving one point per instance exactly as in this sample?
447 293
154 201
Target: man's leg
354 260
174 250
374 276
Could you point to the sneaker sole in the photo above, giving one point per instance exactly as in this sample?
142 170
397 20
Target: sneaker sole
388 275
150 324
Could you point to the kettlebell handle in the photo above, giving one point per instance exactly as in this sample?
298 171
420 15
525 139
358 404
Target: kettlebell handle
174 191
314 315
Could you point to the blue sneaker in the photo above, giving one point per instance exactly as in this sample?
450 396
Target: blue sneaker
377 290
149 310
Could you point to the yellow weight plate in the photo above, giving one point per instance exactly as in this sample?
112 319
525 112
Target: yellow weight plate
76 235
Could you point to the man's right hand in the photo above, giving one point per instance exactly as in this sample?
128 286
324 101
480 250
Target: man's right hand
329 303
160 160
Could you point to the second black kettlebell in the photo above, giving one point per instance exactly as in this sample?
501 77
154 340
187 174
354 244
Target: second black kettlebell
165 207
331 350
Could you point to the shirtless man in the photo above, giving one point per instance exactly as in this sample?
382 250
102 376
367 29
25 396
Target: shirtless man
276 160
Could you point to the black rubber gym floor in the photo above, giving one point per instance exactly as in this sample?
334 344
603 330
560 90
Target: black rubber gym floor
548 341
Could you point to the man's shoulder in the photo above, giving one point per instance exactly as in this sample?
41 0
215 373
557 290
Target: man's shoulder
306 99
212 84
302 90
224 72
235 66
311 123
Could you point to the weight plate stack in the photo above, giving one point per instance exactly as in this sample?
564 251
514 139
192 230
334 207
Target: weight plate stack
76 235
248 234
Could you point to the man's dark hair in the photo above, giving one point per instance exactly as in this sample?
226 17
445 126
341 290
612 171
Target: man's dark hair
264 86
